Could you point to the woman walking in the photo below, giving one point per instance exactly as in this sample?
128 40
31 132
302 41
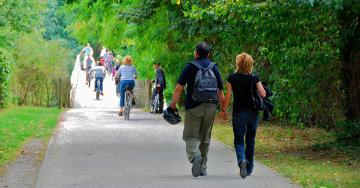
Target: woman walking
245 117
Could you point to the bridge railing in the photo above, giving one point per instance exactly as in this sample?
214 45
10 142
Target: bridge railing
74 80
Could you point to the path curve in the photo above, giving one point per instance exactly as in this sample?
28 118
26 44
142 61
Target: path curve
94 147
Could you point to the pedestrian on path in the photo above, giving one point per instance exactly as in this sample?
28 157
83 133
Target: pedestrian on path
245 117
160 86
200 105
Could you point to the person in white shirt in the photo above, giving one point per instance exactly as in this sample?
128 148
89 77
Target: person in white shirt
100 74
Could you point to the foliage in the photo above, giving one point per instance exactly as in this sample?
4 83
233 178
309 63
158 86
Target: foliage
26 57
16 17
21 123
39 65
4 78
54 26
298 45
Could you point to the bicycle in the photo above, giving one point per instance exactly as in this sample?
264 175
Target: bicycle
88 76
128 102
155 105
98 90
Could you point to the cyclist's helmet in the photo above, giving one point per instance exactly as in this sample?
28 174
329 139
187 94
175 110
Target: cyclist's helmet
171 116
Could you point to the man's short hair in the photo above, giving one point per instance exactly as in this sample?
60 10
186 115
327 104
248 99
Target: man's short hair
202 49
157 63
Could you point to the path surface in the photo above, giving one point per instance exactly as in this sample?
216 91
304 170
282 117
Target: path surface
94 148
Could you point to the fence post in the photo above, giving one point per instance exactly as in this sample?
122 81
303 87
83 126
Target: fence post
59 93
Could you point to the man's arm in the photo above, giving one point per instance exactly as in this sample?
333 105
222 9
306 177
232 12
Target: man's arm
176 97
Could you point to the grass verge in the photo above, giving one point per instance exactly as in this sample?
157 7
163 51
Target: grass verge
310 157
20 124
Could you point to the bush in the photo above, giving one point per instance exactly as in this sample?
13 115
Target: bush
348 130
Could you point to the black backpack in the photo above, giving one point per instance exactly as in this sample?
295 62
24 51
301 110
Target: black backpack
205 85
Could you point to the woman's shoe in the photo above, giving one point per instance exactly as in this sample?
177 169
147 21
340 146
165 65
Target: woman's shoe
243 170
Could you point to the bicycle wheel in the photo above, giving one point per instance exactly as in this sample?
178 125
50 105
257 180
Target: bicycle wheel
89 79
127 106
157 104
153 106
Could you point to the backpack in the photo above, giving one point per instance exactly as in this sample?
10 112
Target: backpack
205 86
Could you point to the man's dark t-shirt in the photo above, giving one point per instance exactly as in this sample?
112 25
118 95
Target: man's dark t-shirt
241 84
187 78
160 78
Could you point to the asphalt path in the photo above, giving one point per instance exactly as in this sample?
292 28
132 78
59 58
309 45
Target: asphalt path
94 147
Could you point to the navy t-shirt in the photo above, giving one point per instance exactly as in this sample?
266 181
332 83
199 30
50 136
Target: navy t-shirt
187 78
241 84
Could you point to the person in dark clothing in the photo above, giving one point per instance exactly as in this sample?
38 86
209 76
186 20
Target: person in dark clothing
245 117
160 86
199 116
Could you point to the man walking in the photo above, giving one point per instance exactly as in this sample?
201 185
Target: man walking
160 86
204 92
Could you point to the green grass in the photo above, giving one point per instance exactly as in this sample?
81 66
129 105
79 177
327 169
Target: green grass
20 124
308 156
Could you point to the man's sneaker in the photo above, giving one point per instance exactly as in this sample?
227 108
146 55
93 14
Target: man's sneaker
243 170
203 172
196 166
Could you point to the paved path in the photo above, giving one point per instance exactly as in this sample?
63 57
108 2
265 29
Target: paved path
95 148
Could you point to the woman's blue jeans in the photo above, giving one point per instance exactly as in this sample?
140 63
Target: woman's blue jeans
244 126
123 84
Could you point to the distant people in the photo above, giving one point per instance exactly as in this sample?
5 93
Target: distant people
127 74
89 64
245 117
86 51
103 51
160 86
108 62
200 106
100 74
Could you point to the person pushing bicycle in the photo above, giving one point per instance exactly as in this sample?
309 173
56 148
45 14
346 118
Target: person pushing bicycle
160 86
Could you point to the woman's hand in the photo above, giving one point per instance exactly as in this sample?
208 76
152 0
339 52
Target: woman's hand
223 115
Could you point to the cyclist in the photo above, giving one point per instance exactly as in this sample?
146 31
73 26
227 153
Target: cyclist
86 51
89 63
160 85
100 74
127 74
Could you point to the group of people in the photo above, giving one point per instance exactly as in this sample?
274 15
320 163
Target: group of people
204 91
124 75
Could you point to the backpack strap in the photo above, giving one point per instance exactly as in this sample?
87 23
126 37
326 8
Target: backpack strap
211 66
197 64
